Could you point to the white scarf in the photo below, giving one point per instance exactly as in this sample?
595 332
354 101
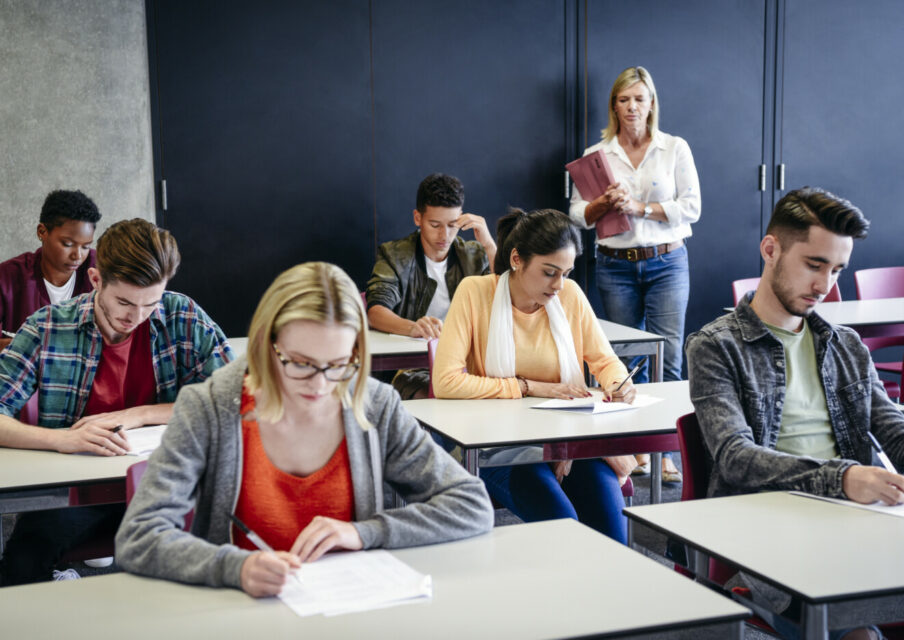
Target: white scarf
500 356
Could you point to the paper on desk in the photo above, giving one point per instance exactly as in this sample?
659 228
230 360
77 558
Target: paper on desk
881 507
595 405
144 440
355 581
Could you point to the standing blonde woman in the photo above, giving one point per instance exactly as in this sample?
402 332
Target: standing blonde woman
296 441
642 274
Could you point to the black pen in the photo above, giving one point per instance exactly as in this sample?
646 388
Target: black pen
881 453
631 375
256 540
116 429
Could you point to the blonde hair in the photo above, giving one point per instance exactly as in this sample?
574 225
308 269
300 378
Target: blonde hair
627 78
316 291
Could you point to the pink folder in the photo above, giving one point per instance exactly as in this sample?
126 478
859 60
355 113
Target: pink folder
591 175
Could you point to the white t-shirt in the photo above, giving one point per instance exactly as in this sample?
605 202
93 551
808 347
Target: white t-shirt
59 294
439 305
666 175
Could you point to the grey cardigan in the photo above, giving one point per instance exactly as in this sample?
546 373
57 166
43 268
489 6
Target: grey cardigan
199 466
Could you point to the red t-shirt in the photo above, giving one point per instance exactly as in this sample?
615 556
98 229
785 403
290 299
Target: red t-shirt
277 505
125 374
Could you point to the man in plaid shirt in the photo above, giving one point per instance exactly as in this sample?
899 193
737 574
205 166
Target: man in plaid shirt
100 364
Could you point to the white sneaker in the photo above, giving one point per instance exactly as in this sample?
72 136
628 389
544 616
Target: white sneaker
68 574
98 563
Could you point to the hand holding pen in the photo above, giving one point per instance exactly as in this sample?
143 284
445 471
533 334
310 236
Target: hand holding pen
265 574
866 484
624 390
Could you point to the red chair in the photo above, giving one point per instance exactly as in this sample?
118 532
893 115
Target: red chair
740 287
133 477
875 284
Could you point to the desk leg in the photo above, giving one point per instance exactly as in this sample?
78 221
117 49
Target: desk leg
816 622
655 478
698 563
470 456
656 365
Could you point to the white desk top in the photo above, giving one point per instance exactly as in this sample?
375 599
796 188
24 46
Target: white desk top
540 580
386 344
23 469
854 313
814 549
491 423
621 334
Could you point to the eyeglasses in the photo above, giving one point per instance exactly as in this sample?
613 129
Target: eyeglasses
306 370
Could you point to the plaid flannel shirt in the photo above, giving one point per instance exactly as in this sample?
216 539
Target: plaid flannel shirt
57 351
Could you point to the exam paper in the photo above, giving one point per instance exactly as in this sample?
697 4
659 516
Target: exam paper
595 405
881 507
144 440
354 581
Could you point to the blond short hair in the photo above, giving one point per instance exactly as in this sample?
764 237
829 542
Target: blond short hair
316 291
627 78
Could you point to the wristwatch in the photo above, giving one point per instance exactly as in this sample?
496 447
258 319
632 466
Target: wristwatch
647 211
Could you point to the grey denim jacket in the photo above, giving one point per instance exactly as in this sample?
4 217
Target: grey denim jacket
736 368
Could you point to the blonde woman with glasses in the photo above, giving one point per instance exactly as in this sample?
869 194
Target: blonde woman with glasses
296 442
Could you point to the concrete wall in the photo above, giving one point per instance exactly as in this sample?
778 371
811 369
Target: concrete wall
74 111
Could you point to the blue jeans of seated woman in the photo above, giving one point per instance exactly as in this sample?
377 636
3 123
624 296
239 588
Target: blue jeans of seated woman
590 493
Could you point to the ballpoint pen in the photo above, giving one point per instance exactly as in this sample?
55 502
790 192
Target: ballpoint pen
631 375
881 453
257 541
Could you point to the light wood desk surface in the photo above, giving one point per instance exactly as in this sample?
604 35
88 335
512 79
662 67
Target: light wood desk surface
827 555
478 424
540 580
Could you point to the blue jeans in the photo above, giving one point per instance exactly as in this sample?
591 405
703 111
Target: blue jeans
590 493
650 295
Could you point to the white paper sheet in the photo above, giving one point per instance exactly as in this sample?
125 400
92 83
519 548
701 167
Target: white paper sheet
355 581
144 440
595 405
880 507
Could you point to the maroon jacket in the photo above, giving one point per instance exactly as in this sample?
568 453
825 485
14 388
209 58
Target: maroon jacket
22 290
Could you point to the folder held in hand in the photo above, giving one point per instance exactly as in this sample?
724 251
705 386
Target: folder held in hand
591 175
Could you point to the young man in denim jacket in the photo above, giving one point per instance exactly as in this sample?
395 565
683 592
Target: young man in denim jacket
784 399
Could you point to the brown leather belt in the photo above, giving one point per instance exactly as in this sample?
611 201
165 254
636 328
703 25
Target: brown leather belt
640 253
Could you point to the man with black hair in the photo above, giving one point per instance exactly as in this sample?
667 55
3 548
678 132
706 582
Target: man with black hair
59 269
414 278
785 400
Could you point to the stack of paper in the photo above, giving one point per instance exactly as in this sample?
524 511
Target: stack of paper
595 405
880 507
355 581
144 440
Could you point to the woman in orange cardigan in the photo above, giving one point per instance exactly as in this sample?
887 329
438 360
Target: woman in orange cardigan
525 333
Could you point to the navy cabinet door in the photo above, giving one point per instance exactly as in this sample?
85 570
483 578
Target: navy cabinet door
707 60
842 118
263 135
475 89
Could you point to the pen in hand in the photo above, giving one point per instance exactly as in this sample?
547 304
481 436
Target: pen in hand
883 457
631 375
257 541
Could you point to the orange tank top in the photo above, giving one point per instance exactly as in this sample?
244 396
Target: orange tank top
278 505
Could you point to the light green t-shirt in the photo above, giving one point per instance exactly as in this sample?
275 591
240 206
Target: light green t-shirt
805 429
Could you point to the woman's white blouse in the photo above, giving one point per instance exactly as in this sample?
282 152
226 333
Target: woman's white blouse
666 175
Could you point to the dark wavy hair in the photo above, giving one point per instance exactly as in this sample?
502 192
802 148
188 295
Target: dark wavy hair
537 233
440 190
802 208
60 206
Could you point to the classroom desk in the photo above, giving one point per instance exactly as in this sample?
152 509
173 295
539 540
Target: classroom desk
541 580
560 435
389 351
835 559
867 317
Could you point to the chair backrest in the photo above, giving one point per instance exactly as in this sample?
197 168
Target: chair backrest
884 282
133 477
693 458
740 287
431 355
